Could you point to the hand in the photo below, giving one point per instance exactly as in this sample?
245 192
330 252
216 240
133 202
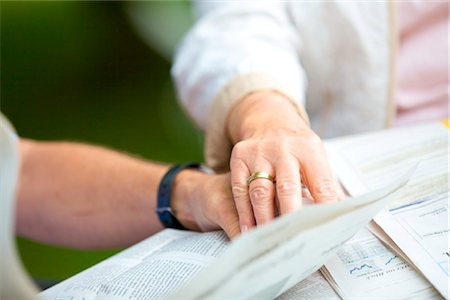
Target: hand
204 202
270 136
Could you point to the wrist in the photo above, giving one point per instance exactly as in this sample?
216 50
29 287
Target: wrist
181 197
262 112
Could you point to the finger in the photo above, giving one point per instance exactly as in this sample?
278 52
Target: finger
319 178
230 221
221 208
262 194
288 185
228 216
239 188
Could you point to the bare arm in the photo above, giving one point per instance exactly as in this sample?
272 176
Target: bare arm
85 196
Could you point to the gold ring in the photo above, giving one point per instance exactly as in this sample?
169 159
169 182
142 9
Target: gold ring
263 175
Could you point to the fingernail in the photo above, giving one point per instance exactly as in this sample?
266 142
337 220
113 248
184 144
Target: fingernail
244 228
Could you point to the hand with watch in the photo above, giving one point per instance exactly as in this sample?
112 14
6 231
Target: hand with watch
191 198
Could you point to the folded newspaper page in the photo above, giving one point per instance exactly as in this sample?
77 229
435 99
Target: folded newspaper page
417 220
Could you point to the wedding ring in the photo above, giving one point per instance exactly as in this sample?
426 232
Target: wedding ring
263 175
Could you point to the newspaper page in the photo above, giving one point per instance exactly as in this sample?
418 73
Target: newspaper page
266 262
14 284
417 220
364 268
150 269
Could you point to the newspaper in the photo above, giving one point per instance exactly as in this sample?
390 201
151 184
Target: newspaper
364 268
417 221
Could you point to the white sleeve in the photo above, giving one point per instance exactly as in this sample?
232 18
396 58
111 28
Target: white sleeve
236 48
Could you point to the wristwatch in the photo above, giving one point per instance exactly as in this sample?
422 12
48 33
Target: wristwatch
165 213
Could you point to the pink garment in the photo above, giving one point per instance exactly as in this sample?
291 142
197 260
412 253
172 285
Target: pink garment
422 62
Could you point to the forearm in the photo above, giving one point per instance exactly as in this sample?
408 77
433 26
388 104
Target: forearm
85 196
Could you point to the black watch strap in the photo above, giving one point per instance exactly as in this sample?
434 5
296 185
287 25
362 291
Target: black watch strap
163 210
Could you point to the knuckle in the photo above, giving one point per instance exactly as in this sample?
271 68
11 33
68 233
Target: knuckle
213 204
286 144
326 190
216 202
238 190
314 141
259 194
288 187
239 150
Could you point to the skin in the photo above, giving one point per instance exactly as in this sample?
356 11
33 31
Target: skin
89 197
270 136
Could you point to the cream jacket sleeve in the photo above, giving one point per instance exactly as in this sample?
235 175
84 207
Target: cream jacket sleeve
236 48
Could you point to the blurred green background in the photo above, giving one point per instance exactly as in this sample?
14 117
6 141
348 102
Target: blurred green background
96 72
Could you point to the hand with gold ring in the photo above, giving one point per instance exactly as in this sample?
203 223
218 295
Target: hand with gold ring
274 153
